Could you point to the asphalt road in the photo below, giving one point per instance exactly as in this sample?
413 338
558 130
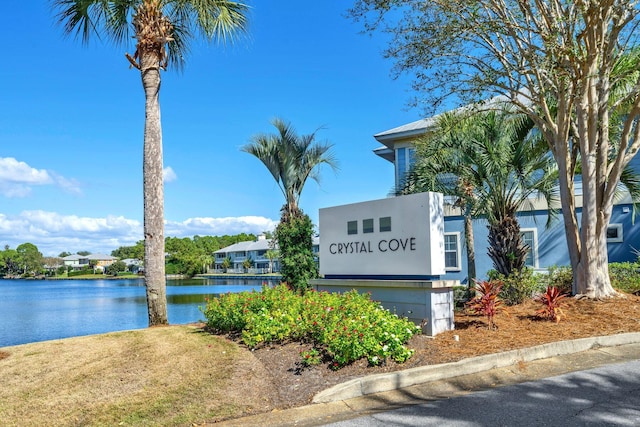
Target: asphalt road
604 396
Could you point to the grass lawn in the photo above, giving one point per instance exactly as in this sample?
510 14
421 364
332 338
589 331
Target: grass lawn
162 376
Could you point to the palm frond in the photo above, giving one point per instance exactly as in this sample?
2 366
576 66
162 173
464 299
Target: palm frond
265 148
630 181
291 159
82 18
118 21
219 20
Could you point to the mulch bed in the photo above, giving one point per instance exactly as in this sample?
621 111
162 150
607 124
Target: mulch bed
296 385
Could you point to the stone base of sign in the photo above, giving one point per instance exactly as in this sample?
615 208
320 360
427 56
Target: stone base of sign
427 303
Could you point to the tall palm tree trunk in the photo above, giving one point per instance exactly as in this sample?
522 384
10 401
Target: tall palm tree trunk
471 251
154 268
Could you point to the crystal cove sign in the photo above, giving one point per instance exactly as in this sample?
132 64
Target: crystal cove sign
398 237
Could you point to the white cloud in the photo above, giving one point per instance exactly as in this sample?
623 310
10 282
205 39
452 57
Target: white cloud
168 174
219 226
12 170
53 233
17 178
69 185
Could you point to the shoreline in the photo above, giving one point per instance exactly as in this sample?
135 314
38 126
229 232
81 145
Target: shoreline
168 277
132 277
267 276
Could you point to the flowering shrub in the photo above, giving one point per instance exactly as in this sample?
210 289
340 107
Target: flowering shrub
310 357
346 327
351 326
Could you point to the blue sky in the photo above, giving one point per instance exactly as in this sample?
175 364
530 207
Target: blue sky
71 122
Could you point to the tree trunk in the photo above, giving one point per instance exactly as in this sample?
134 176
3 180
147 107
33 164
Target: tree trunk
154 266
591 274
506 249
471 251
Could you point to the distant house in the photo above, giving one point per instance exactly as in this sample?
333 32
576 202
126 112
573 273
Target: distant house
134 265
78 262
256 251
548 245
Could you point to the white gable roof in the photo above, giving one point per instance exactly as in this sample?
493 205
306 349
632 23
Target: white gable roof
412 129
263 244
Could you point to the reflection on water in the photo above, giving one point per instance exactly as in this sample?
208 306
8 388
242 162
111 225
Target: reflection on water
38 310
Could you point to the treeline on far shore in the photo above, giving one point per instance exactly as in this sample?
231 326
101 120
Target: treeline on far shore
186 256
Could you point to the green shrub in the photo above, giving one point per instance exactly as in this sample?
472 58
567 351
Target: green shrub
294 234
343 327
462 294
171 268
124 273
115 268
625 276
82 272
561 278
518 286
311 357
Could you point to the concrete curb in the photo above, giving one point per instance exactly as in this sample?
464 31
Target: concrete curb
401 379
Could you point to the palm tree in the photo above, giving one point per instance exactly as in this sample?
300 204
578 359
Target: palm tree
162 29
206 261
271 254
292 159
247 264
494 164
516 167
438 171
226 264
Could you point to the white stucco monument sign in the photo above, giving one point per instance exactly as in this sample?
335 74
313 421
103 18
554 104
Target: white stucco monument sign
394 249
389 238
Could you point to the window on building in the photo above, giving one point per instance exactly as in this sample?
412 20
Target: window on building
452 251
352 227
385 224
614 233
530 238
412 157
401 164
367 225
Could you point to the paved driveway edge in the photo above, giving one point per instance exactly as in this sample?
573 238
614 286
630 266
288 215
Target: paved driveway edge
406 378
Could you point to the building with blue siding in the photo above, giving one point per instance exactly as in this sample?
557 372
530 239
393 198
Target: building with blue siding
256 252
548 244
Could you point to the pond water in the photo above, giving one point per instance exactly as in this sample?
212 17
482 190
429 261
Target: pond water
40 310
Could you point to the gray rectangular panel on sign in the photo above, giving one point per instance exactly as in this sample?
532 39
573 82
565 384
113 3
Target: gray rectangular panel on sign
407 238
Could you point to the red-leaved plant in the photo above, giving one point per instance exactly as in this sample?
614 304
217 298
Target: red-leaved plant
552 301
486 302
